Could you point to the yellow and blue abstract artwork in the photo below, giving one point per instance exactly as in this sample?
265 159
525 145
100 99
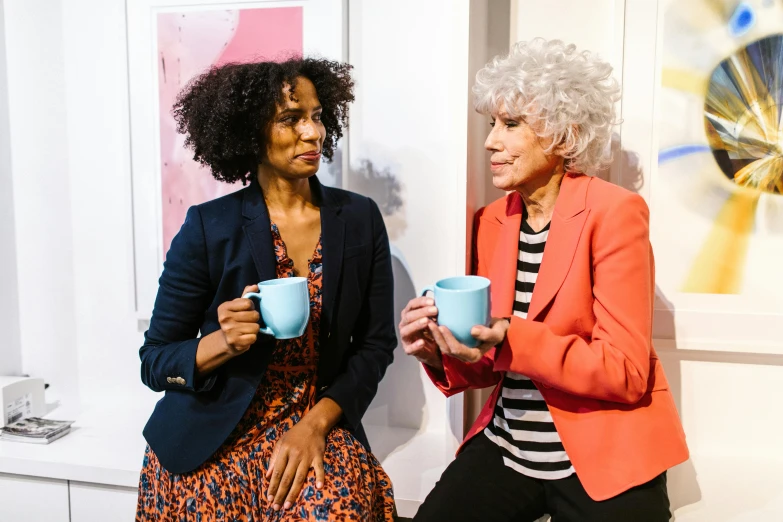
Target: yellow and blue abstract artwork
720 156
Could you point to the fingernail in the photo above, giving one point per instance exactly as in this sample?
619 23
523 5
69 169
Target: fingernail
287 505
319 485
276 507
430 302
270 498
423 321
433 310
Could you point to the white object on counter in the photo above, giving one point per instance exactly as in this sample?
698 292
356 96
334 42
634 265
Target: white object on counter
22 397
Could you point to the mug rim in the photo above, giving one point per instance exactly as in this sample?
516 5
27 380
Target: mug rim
281 281
486 283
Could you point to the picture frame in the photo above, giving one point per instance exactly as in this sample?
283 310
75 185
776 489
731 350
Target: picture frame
745 321
221 25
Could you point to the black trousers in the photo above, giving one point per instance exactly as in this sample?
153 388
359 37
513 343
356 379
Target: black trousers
478 487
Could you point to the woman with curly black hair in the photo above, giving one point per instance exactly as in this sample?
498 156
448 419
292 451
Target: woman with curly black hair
251 427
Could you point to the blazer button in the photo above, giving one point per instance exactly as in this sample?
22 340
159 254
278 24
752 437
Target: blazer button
180 381
169 380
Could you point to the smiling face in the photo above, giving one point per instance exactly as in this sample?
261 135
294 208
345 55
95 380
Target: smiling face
296 134
519 156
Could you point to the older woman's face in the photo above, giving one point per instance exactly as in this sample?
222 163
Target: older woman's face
518 154
296 134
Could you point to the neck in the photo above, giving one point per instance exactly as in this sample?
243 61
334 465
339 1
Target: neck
284 194
540 195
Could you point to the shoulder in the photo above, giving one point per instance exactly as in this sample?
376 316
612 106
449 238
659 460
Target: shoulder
616 214
496 212
488 222
603 197
219 209
352 205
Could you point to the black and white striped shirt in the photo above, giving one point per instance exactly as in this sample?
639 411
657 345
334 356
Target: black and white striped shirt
523 427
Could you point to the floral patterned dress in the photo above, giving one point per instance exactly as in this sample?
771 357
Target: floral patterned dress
231 485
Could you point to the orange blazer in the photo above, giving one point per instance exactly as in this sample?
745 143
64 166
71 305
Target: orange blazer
587 341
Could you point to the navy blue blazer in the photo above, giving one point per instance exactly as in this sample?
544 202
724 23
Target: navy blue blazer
225 245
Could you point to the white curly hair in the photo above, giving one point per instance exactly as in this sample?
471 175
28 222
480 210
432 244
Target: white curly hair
560 92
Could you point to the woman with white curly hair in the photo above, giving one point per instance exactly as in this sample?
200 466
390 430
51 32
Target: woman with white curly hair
581 425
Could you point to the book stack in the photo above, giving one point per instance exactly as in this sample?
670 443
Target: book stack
35 430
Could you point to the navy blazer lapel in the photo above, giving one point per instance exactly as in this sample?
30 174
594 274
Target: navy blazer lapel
259 235
332 243
258 230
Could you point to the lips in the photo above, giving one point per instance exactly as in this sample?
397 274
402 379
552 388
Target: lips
310 156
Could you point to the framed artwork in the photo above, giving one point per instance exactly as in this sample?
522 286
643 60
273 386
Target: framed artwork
709 77
170 42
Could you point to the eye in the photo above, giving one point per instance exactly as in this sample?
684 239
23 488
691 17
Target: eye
511 123
492 123
317 117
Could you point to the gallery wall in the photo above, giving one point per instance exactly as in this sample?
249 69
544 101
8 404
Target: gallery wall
67 306
72 172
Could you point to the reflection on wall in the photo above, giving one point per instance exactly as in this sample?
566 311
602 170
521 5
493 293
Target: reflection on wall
190 42
385 188
721 148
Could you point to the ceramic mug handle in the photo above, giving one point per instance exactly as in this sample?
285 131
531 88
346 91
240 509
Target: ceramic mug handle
261 329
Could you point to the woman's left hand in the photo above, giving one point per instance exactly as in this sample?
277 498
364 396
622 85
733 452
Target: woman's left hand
489 337
301 448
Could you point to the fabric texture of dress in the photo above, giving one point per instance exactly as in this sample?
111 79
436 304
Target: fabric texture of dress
231 485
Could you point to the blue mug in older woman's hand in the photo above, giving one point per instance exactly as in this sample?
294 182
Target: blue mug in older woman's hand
463 302
284 305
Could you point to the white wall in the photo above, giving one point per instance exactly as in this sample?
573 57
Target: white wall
10 351
96 97
67 90
410 117
41 190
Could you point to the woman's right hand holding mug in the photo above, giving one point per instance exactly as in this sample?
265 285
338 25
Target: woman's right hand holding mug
415 333
239 322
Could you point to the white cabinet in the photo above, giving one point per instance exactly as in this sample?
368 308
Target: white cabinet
97 503
28 499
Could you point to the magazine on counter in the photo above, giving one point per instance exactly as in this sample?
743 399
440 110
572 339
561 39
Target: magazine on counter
35 430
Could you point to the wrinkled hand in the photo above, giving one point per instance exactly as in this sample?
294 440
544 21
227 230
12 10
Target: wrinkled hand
239 322
489 336
415 334
300 449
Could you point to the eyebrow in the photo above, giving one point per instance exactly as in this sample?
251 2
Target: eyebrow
297 111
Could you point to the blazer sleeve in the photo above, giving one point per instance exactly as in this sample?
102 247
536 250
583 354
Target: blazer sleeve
615 364
458 376
374 337
168 356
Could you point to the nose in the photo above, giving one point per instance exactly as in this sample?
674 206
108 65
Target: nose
310 131
492 143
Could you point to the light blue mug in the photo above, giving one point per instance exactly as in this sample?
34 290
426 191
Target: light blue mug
463 302
284 305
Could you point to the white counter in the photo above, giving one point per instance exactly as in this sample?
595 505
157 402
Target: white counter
106 447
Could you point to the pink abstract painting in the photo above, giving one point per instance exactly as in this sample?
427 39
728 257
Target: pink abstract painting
189 43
